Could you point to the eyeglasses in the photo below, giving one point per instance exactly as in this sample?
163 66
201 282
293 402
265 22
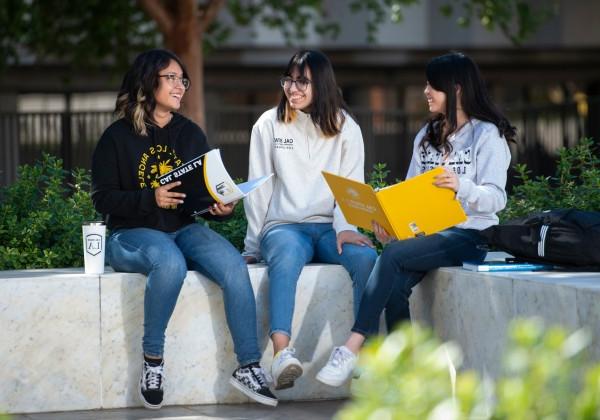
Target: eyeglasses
301 83
172 80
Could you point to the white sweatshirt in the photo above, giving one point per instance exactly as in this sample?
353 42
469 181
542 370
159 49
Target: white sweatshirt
296 153
480 157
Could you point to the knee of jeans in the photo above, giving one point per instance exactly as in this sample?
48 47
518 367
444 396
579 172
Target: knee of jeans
361 264
174 268
235 274
365 260
289 258
389 260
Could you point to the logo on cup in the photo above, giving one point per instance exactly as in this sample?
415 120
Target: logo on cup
93 244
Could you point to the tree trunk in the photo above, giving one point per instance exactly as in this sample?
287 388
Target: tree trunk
183 25
185 41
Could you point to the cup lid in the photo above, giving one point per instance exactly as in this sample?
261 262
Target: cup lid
94 223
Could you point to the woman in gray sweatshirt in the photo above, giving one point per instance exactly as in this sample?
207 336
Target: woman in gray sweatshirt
293 219
468 137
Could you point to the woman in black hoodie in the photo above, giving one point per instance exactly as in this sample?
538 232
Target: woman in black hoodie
152 235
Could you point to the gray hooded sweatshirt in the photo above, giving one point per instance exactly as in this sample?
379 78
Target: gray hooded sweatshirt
480 157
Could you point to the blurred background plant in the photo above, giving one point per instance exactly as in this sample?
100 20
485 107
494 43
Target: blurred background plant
410 374
41 216
575 185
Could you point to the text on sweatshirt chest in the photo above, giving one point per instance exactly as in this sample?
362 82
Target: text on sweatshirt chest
152 161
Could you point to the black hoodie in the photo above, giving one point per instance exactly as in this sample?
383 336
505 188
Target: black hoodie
125 167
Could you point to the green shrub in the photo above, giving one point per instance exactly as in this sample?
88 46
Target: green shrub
377 179
234 228
408 375
41 217
575 185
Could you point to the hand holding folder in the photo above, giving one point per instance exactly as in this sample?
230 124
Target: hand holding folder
411 208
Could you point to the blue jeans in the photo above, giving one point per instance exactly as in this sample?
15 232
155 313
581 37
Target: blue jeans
402 265
288 248
165 259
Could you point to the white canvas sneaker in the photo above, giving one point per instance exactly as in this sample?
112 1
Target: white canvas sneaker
339 368
285 368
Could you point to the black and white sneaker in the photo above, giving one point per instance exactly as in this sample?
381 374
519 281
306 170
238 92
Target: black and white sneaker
251 380
151 385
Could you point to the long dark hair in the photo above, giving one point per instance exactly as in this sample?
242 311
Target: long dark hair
327 101
445 73
135 101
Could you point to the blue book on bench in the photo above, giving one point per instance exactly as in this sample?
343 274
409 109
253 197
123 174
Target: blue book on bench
507 266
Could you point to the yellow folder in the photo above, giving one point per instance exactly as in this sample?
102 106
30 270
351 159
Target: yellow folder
411 208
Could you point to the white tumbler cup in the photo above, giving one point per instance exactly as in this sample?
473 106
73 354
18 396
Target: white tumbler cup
94 234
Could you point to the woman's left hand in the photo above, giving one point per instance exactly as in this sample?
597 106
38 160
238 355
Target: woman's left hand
352 237
448 179
219 209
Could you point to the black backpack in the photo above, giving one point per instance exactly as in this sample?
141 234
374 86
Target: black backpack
565 237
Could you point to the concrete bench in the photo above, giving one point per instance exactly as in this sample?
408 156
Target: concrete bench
474 309
72 341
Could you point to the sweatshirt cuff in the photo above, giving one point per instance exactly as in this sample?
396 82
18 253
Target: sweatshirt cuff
147 201
465 189
255 254
342 226
339 221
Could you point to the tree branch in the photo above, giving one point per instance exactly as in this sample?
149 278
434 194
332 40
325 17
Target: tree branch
207 13
157 12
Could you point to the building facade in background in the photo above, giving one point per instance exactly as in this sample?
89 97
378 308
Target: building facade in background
550 87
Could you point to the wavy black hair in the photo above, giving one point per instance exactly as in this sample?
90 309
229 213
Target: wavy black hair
135 101
445 73
327 101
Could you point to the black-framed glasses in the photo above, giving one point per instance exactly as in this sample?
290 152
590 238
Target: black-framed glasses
301 83
172 80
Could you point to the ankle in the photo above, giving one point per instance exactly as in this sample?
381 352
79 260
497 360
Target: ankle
153 360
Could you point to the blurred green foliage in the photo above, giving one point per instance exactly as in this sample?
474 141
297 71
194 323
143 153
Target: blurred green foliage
575 185
41 216
95 32
377 179
410 374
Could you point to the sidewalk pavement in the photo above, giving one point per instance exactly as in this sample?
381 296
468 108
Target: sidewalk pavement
286 410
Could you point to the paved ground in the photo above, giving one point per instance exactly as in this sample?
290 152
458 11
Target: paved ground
303 410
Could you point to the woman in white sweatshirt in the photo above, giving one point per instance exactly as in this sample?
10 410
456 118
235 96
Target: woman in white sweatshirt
468 137
293 219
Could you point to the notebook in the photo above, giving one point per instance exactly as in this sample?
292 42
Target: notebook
414 207
205 181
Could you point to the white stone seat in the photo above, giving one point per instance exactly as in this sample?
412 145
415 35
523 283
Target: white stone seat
80 335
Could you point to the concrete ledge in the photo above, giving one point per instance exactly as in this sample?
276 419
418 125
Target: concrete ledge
78 337
474 309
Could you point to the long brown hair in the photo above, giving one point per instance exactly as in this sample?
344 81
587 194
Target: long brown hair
327 101
444 74
135 101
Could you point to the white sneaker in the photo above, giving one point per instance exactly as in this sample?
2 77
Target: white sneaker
339 368
285 368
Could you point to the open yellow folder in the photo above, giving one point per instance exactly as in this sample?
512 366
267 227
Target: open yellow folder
411 208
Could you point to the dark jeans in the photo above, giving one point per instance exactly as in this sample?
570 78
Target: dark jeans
402 265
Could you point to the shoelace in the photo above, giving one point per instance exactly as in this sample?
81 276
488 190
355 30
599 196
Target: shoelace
154 374
287 353
259 374
339 357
